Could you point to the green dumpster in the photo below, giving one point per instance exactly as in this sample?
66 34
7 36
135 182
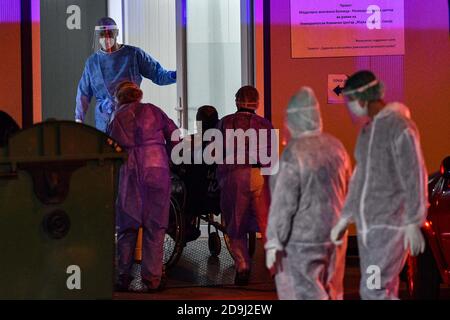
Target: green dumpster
58 184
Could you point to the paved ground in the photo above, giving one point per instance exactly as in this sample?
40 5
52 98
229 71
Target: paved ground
197 276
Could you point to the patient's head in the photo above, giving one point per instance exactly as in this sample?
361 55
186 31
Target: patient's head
208 116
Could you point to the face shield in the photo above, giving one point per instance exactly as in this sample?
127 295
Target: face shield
105 38
358 93
359 113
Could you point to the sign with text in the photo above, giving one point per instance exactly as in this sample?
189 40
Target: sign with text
345 28
336 84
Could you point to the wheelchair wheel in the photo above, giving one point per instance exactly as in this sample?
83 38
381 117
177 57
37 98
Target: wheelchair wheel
251 241
214 243
174 239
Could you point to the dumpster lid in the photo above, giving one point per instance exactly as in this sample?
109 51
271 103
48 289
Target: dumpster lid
60 141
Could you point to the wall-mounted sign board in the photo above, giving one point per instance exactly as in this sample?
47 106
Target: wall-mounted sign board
343 28
336 83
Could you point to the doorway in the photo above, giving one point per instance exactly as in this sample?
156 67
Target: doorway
208 42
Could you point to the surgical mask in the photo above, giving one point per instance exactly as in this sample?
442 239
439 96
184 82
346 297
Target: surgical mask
356 109
107 43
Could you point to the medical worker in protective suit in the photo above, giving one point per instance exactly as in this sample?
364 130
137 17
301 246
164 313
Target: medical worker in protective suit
111 64
244 190
307 197
388 191
144 131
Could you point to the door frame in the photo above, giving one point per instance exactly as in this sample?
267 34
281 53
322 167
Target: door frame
182 89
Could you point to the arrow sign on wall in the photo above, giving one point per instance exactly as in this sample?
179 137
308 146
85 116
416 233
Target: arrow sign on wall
336 84
338 90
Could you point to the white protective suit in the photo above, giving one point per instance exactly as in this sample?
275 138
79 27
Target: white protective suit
387 194
308 194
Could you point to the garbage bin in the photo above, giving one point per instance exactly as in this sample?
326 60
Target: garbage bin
58 183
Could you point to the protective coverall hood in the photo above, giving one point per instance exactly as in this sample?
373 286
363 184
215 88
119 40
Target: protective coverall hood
303 113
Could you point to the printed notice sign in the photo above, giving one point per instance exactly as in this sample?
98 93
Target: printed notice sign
339 28
336 83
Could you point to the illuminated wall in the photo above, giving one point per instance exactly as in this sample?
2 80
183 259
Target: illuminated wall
427 75
420 78
10 66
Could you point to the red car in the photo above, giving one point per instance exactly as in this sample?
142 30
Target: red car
427 271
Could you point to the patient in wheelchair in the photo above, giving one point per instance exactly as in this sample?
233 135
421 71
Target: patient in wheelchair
203 195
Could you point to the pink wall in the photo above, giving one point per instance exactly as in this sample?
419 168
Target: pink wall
10 65
10 57
421 78
427 75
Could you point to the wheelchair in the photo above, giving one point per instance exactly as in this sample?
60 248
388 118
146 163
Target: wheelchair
175 240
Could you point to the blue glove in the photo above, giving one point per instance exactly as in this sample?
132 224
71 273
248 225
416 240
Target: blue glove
173 75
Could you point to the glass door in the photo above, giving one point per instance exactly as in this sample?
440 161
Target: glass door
210 55
151 26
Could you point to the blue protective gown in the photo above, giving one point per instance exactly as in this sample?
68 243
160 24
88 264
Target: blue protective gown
104 71
144 131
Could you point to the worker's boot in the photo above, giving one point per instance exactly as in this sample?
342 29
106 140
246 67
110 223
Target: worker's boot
159 288
123 283
242 278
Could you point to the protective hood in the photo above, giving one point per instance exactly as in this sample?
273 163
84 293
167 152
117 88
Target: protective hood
303 113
